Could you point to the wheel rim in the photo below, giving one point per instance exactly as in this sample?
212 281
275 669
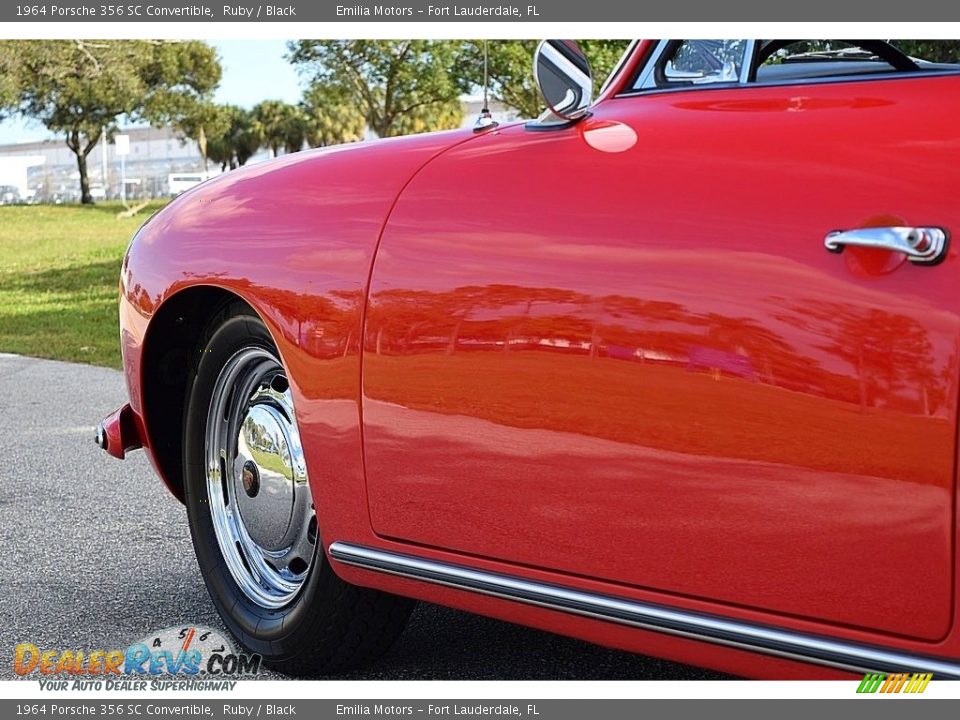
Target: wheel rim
260 502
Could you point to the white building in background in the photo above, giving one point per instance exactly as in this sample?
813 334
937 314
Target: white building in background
47 170
154 154
15 171
473 104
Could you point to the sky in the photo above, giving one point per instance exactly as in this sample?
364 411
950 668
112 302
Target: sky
253 70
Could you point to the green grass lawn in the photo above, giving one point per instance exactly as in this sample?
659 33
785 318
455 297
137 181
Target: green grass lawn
59 274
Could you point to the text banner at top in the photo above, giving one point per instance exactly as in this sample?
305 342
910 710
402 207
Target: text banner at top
479 11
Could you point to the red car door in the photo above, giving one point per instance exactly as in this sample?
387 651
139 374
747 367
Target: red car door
621 350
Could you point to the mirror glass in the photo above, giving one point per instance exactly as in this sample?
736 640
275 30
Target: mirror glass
563 76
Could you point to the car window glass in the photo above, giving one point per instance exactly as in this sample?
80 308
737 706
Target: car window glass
806 59
692 63
701 62
810 59
930 51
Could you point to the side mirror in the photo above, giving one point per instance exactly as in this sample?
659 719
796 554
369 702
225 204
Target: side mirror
563 76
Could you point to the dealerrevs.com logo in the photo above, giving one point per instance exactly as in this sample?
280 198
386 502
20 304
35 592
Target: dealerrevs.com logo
175 658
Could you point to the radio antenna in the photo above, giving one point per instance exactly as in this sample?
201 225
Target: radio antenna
485 119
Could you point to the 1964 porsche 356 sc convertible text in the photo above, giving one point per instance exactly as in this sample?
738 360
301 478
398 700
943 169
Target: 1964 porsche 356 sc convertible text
673 370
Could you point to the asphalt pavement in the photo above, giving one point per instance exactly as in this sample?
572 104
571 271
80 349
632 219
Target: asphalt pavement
97 554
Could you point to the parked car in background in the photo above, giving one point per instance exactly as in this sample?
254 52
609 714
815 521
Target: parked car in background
9 195
181 182
674 370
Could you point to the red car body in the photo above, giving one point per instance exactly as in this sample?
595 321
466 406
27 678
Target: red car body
611 363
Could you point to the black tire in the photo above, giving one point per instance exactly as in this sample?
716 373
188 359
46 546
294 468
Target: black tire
330 625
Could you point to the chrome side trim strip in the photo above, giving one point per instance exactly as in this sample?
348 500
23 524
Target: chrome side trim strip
658 618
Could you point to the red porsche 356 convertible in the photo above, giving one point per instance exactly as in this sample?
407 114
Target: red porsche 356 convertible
674 369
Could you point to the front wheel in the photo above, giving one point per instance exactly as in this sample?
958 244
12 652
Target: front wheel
253 519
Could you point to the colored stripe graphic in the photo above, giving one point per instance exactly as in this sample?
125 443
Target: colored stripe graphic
871 682
189 639
895 683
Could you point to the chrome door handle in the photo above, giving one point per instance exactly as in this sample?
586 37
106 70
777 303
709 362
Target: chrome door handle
924 245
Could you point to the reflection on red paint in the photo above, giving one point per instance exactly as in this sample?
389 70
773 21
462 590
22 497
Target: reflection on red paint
608 136
620 361
798 103
644 365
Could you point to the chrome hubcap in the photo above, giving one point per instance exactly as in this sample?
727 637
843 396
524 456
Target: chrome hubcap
260 503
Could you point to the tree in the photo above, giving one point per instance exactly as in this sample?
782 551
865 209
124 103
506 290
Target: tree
331 118
940 51
280 126
233 139
81 88
9 77
203 121
400 86
510 65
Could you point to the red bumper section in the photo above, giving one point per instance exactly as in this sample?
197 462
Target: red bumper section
120 432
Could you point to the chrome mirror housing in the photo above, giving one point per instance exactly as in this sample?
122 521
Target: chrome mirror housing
563 76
